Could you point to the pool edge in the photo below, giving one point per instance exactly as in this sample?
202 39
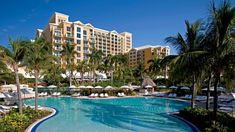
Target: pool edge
34 126
191 125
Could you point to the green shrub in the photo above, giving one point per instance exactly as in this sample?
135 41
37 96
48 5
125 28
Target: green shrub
15 122
205 121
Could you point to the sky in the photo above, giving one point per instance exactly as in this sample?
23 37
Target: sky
150 21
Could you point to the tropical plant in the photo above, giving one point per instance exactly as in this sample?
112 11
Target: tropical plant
37 58
220 42
53 74
69 53
95 58
82 67
155 67
12 57
187 63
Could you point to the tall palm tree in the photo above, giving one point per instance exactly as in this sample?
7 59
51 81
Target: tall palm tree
12 57
37 58
220 42
155 67
69 53
82 67
187 63
95 58
53 74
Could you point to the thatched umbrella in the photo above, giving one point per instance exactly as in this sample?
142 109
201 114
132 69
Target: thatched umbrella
147 81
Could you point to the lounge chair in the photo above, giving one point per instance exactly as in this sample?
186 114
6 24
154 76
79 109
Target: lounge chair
102 95
76 95
187 97
147 93
58 94
54 94
106 95
92 95
96 95
227 109
200 98
160 94
172 95
45 94
229 104
123 94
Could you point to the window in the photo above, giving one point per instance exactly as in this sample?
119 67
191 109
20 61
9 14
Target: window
78 48
85 37
78 55
84 32
68 35
78 35
68 29
78 29
78 41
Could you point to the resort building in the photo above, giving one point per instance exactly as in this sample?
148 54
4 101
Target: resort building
60 31
145 53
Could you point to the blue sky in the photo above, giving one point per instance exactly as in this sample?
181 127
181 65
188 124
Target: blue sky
150 21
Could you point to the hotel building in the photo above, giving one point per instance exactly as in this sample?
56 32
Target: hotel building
60 31
145 53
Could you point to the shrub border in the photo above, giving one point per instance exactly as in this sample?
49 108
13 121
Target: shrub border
34 126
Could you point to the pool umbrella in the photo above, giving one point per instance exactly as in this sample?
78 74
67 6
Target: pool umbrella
162 86
125 86
40 86
89 87
108 87
72 86
173 87
219 89
82 86
233 95
98 87
148 86
52 86
185 88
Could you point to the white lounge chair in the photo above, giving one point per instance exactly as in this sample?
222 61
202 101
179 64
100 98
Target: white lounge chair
102 95
45 94
54 94
119 95
123 94
96 95
160 94
147 93
106 95
172 95
58 94
201 98
92 95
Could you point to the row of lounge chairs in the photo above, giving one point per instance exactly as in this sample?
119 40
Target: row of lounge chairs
56 94
121 94
96 95
43 94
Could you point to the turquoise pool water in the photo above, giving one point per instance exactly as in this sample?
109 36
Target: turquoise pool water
112 115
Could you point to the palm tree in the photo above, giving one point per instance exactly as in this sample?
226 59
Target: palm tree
95 58
12 58
82 67
37 58
155 67
69 53
220 42
187 64
53 74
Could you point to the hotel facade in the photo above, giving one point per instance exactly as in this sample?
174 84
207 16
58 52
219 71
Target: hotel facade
61 31
145 53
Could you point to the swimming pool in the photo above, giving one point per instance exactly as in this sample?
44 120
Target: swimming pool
115 115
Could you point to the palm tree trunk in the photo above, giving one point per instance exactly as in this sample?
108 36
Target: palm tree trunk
70 78
208 93
94 75
18 87
193 93
36 90
81 73
112 76
217 79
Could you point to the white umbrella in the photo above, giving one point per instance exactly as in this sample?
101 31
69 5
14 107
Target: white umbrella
52 86
125 86
148 86
108 87
72 86
40 86
233 95
185 88
89 87
2 95
98 87
82 86
162 86
173 87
